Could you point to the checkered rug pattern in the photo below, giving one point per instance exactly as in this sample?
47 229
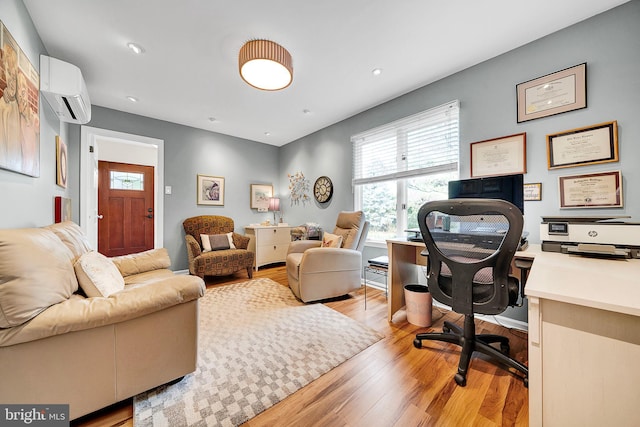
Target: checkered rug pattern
257 344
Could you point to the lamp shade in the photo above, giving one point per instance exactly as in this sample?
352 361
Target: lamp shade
274 204
265 65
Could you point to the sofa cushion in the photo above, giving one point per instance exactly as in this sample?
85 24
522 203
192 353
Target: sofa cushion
331 240
141 262
97 275
72 236
36 271
216 242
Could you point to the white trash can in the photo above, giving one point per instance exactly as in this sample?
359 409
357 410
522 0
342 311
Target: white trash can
419 304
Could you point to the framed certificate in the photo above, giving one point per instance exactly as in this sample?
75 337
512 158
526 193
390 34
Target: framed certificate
499 156
533 191
555 93
583 146
594 190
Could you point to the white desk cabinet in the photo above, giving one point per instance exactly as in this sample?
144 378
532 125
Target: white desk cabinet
270 243
584 341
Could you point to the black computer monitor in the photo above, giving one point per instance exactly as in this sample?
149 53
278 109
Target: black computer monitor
507 187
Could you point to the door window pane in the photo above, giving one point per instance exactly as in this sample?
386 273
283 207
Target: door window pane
127 181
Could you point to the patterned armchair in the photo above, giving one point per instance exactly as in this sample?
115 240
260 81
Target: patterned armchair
220 262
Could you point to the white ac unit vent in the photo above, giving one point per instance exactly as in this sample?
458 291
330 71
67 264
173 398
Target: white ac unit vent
64 89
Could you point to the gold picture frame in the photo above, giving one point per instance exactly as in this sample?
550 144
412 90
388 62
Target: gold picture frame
555 93
210 190
532 191
589 145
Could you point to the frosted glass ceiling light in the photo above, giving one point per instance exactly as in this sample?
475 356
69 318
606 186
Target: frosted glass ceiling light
265 65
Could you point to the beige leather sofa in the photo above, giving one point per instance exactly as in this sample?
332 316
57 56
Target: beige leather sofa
59 346
315 272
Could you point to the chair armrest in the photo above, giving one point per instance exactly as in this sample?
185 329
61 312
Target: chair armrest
330 259
299 246
240 241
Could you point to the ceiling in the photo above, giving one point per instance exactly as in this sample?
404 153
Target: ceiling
188 73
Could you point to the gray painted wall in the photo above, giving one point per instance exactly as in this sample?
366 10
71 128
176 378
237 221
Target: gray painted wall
189 152
609 43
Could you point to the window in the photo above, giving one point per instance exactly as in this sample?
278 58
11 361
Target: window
127 181
401 165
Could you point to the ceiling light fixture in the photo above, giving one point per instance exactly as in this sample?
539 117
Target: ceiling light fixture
132 98
136 48
376 71
265 65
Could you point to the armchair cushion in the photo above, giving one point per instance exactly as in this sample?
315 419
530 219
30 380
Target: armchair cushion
216 242
331 240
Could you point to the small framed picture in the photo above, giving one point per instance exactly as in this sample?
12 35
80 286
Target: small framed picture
210 190
260 195
533 191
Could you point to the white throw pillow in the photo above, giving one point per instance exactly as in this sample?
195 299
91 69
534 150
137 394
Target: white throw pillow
97 275
217 242
331 240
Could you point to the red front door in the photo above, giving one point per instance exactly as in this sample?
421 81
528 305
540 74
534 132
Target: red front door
125 208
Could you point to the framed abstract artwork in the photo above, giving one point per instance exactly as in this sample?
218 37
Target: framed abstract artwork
61 162
210 190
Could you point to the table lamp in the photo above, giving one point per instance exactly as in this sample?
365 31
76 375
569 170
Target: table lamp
274 206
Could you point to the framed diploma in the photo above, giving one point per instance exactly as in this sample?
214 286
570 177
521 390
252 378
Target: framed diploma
555 93
594 190
583 146
499 156
533 191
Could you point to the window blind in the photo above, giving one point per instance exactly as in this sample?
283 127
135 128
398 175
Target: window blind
421 144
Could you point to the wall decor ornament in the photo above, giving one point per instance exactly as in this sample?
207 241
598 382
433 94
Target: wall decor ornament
210 190
299 188
20 106
61 162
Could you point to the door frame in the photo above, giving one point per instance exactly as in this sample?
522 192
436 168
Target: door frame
96 137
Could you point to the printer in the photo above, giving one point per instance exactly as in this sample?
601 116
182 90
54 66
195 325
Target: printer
607 237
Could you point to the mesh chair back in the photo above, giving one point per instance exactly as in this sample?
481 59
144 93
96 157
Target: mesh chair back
470 245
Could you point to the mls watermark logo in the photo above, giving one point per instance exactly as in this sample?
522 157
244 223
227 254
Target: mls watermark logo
34 415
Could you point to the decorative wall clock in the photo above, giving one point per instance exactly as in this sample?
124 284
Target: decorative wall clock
323 189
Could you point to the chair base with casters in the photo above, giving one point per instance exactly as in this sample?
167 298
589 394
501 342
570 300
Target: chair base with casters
469 342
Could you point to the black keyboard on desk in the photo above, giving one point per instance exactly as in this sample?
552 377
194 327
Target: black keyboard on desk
476 240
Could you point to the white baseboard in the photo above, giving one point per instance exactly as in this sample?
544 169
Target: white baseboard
507 322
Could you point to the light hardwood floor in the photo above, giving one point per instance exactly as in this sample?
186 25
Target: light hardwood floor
390 383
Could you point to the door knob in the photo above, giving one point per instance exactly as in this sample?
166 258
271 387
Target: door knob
100 217
149 216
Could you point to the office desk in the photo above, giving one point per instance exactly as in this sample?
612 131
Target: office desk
584 341
403 258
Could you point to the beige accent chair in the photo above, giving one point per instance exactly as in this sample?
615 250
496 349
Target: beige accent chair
317 273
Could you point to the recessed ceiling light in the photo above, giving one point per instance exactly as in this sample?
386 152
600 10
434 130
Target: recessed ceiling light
267 133
132 98
212 119
136 48
376 71
305 111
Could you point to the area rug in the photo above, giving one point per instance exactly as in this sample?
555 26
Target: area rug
257 344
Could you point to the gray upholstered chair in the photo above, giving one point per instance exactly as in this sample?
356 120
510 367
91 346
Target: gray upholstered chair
315 272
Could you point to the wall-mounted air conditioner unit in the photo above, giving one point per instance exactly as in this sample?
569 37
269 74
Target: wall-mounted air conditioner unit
64 89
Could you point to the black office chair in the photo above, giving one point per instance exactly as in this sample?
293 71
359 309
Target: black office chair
468 269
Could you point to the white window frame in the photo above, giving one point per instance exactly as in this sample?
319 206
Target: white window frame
448 113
